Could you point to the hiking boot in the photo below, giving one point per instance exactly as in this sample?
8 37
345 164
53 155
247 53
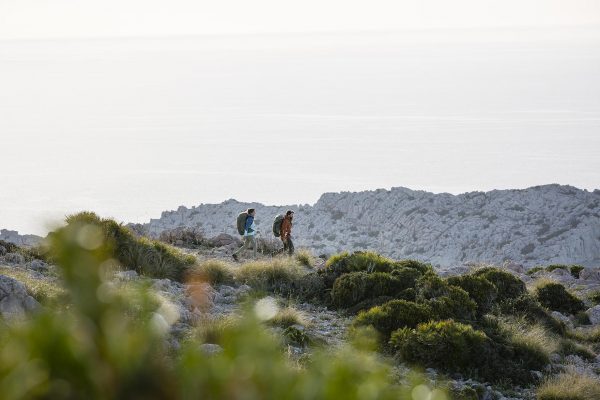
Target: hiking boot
235 257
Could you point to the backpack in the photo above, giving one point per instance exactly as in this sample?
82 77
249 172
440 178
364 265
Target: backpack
241 222
277 225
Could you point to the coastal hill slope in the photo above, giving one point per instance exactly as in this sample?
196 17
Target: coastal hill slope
539 225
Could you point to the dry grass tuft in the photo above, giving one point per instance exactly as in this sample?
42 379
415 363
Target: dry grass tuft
271 275
569 386
305 257
214 271
533 336
289 316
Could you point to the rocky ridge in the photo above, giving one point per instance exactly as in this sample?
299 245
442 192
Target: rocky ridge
539 225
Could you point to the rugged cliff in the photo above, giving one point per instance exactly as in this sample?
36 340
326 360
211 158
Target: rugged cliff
538 225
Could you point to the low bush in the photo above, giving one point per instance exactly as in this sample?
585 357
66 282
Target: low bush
554 296
508 285
576 270
533 270
446 301
480 290
38 252
582 318
569 386
447 345
184 236
455 347
148 257
526 306
352 288
594 297
310 287
394 315
366 261
279 275
534 336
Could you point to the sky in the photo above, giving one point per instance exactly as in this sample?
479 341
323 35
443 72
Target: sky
130 108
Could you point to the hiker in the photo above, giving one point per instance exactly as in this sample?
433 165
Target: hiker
286 232
246 228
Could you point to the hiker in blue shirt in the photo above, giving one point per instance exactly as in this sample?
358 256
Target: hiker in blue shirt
249 235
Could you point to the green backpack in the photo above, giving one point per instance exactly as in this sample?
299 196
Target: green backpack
241 222
277 225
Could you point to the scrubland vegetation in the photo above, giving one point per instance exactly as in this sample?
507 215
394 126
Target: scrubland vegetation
485 325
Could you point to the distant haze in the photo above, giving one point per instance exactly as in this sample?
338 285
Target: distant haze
132 127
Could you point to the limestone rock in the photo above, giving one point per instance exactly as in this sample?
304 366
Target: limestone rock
127 275
542 225
594 314
14 258
14 300
223 239
38 265
211 349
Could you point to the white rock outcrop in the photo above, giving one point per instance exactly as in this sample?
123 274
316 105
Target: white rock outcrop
540 225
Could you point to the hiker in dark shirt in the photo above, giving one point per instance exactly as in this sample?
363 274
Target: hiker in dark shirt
286 232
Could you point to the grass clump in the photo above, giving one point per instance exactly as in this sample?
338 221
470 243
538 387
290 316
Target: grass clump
275 275
305 258
594 297
287 317
148 257
216 272
508 285
394 315
535 337
569 386
47 291
527 307
568 347
554 296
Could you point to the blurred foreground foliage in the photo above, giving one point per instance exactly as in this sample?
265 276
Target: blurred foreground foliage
111 344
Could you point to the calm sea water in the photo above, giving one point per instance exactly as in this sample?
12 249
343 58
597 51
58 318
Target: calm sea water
132 127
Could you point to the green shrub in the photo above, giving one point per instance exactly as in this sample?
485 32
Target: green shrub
447 345
480 290
508 285
554 296
456 305
526 306
352 288
446 301
576 270
569 386
148 257
533 270
277 275
311 287
394 315
594 297
216 272
455 347
366 261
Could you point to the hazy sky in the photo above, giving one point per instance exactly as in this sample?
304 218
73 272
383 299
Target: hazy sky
100 18
109 108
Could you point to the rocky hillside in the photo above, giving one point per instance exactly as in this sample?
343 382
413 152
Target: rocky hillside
539 225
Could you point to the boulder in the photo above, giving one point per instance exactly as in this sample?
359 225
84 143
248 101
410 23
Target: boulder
513 266
14 258
14 300
223 239
2 250
590 274
211 349
38 265
563 318
594 314
127 275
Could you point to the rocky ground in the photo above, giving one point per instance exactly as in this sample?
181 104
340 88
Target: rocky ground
191 304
